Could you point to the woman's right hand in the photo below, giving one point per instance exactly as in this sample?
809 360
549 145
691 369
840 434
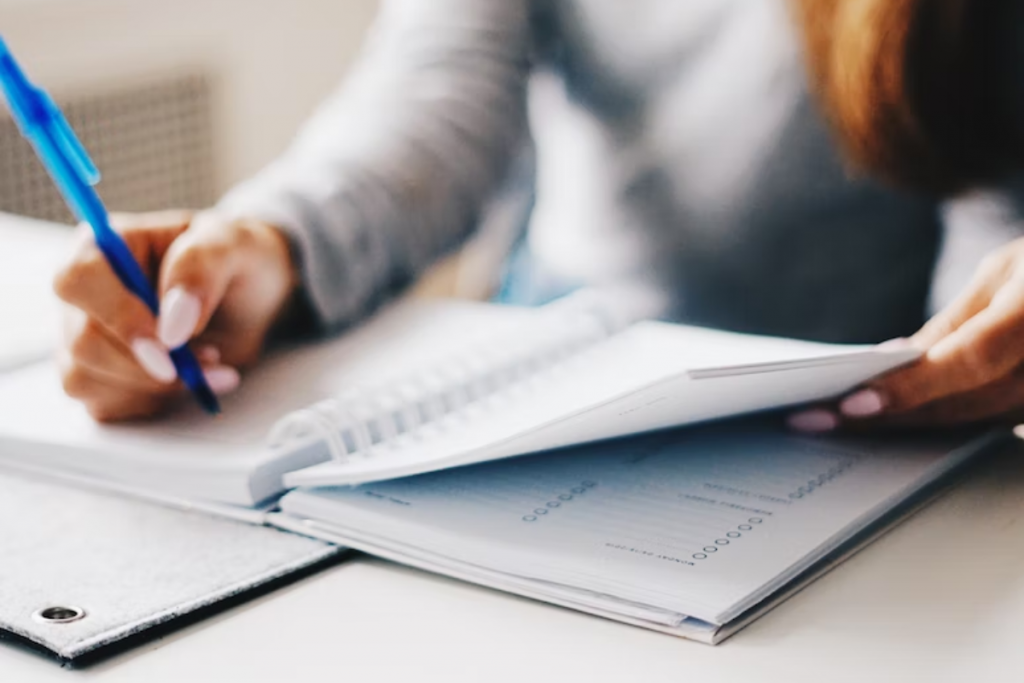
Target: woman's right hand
222 284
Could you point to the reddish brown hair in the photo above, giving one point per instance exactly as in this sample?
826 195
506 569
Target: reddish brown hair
917 89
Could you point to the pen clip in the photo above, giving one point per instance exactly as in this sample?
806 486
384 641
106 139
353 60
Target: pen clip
70 145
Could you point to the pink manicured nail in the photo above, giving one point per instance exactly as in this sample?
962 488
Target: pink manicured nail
179 317
815 421
864 403
155 360
222 379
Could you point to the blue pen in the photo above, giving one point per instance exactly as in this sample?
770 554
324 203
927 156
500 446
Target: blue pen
67 162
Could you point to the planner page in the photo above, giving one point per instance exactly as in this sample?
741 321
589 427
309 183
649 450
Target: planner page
704 522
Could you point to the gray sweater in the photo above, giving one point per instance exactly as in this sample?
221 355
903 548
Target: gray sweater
668 144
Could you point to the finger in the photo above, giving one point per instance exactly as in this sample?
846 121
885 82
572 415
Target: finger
1002 401
106 403
982 350
108 399
194 277
926 418
140 369
112 404
90 284
86 340
991 275
995 402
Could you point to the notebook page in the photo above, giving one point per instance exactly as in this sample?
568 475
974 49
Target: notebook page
701 523
187 452
651 376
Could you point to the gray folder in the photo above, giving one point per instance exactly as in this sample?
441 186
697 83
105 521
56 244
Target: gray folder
83 571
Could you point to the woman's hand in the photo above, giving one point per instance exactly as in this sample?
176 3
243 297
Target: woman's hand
222 284
972 369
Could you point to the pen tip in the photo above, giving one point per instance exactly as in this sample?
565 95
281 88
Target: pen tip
208 400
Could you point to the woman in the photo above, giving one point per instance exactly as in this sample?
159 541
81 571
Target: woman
676 146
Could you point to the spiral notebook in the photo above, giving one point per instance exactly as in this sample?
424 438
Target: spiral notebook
692 532
425 387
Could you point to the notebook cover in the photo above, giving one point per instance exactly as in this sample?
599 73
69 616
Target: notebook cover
128 565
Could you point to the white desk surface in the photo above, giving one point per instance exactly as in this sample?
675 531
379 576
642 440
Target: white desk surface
30 253
940 598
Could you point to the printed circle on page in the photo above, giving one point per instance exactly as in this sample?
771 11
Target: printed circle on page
755 520
700 556
745 527
721 541
710 549
529 518
734 534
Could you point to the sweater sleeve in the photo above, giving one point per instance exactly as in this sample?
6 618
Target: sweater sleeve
395 168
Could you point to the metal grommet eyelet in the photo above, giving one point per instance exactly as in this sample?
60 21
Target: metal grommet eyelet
58 614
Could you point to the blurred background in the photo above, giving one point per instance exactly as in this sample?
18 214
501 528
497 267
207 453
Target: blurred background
176 100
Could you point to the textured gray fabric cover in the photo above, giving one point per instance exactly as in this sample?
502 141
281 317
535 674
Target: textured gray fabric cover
129 564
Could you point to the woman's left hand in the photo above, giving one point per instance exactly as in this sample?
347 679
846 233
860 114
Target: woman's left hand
971 370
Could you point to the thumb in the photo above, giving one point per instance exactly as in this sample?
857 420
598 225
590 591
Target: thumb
194 277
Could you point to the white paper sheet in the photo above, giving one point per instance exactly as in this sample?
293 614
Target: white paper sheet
650 376
30 254
705 524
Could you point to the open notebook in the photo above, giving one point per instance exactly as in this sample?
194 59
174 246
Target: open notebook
692 532
425 387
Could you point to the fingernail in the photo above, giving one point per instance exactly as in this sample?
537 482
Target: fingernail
864 403
815 421
222 379
179 317
155 360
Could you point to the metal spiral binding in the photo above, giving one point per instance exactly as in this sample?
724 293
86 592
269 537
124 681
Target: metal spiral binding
361 422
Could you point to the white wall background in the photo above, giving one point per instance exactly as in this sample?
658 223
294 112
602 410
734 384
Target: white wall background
273 60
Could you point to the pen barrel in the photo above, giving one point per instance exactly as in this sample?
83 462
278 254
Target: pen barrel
191 374
87 206
74 174
18 90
